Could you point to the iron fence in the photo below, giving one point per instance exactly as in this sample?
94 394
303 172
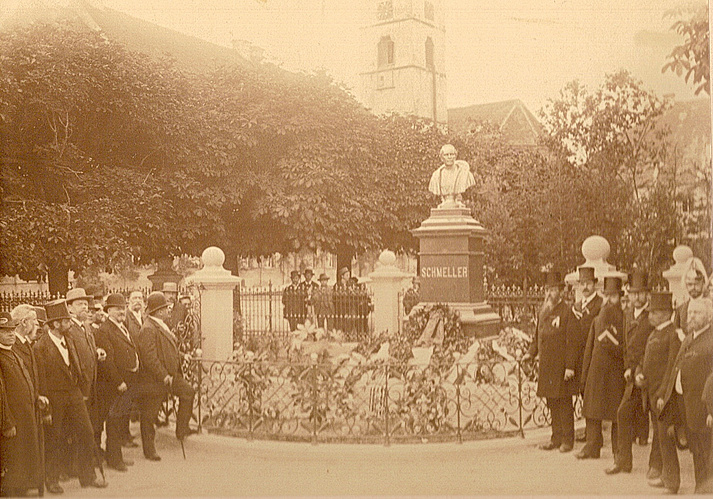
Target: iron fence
368 402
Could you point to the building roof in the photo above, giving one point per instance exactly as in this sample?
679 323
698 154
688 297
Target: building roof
517 124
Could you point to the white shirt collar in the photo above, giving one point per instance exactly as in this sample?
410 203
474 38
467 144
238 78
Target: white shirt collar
700 331
638 311
118 324
5 347
76 321
586 301
22 339
663 325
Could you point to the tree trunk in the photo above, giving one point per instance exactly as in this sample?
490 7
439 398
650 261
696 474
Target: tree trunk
345 255
57 279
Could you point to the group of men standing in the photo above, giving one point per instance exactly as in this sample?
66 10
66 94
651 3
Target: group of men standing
344 306
67 376
630 363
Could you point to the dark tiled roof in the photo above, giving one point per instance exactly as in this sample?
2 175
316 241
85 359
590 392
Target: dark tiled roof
518 125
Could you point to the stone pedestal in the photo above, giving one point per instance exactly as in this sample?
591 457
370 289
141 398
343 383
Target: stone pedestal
387 283
216 286
681 255
164 273
452 259
595 250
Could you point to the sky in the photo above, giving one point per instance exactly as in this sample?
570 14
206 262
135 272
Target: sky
495 49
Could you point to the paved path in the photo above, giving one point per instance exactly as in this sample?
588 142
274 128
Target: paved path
225 466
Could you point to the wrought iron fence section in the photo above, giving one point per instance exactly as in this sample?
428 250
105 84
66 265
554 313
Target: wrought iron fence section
380 402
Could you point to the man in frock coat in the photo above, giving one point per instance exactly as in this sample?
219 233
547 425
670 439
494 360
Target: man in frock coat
555 345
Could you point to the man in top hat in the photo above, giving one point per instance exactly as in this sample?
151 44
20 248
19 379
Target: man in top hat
161 374
135 313
694 281
554 344
293 302
21 463
603 370
78 305
323 304
636 333
651 374
178 310
41 323
61 381
117 379
684 386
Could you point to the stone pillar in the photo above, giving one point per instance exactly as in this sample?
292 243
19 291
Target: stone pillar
216 286
387 282
595 250
681 255
451 267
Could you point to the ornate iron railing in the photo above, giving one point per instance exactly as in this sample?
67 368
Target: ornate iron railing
379 402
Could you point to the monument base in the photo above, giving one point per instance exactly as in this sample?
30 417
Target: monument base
478 320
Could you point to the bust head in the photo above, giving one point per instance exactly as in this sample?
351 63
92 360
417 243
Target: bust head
448 155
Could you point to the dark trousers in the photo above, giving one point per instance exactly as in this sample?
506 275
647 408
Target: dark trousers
699 443
562 414
117 416
595 440
69 417
655 460
150 401
628 427
670 469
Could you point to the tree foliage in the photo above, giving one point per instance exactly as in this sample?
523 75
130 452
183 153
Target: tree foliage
692 58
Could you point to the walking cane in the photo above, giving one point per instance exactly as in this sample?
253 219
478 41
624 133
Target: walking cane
183 448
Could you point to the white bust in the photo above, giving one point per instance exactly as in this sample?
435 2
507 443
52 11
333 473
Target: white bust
451 179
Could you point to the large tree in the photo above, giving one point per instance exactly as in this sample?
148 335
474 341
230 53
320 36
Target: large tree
692 58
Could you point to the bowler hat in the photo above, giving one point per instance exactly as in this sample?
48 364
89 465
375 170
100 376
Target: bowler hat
56 310
41 315
661 300
586 274
638 281
554 278
612 285
78 294
294 273
156 301
6 321
170 287
323 277
115 300
308 271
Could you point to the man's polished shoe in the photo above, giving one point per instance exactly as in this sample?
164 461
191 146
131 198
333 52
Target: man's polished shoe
152 457
566 448
97 483
617 469
54 488
585 454
653 474
118 466
548 446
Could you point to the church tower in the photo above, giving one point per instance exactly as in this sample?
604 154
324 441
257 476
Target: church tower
403 59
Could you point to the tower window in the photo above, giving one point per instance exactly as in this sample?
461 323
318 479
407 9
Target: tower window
385 10
386 51
428 11
429 53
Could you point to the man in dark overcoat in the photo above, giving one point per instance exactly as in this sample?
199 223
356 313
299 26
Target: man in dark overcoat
603 370
135 313
61 381
636 333
555 345
83 338
21 463
161 374
684 386
293 302
117 379
659 357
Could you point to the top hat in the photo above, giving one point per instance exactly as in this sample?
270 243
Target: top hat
294 273
156 301
323 277
56 310
554 278
6 321
308 271
115 300
661 300
41 315
170 287
612 285
638 281
586 274
77 294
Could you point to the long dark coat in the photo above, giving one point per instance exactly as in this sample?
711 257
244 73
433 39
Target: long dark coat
695 363
636 334
554 342
659 357
21 457
87 353
603 365
583 317
133 325
158 353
